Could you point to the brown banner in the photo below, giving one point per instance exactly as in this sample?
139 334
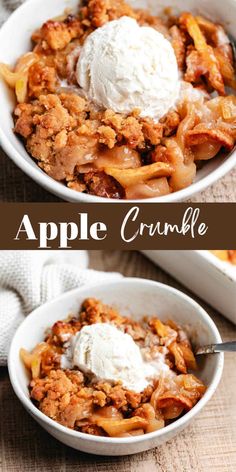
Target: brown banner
117 226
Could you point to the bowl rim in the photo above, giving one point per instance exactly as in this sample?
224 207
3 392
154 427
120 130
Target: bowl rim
67 194
33 410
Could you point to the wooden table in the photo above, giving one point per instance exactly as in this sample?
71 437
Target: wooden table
207 445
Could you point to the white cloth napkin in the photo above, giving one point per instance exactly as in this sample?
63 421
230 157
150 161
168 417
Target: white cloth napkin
7 7
30 278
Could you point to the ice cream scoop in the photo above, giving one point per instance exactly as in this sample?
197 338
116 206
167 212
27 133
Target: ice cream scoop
106 353
124 66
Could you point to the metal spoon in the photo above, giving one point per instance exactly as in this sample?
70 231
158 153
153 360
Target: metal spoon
232 43
212 348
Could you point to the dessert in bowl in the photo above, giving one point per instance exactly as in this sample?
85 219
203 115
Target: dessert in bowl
140 122
110 384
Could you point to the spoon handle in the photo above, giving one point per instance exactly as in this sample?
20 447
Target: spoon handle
212 348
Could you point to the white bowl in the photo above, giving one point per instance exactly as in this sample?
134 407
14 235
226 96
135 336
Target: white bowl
136 297
15 36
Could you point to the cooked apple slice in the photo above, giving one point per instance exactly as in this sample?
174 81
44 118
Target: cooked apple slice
127 177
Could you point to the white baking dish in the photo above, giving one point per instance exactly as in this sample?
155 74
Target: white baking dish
204 274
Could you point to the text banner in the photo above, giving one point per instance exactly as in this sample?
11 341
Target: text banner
117 226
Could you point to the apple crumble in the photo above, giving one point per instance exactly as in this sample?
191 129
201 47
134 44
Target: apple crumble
132 154
157 357
228 255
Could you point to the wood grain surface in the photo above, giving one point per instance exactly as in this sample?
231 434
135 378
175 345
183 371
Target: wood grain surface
207 445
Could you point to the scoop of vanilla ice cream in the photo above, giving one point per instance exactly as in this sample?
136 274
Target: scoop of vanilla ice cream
106 353
123 66
109 354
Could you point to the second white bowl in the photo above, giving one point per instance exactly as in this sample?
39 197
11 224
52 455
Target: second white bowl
136 298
